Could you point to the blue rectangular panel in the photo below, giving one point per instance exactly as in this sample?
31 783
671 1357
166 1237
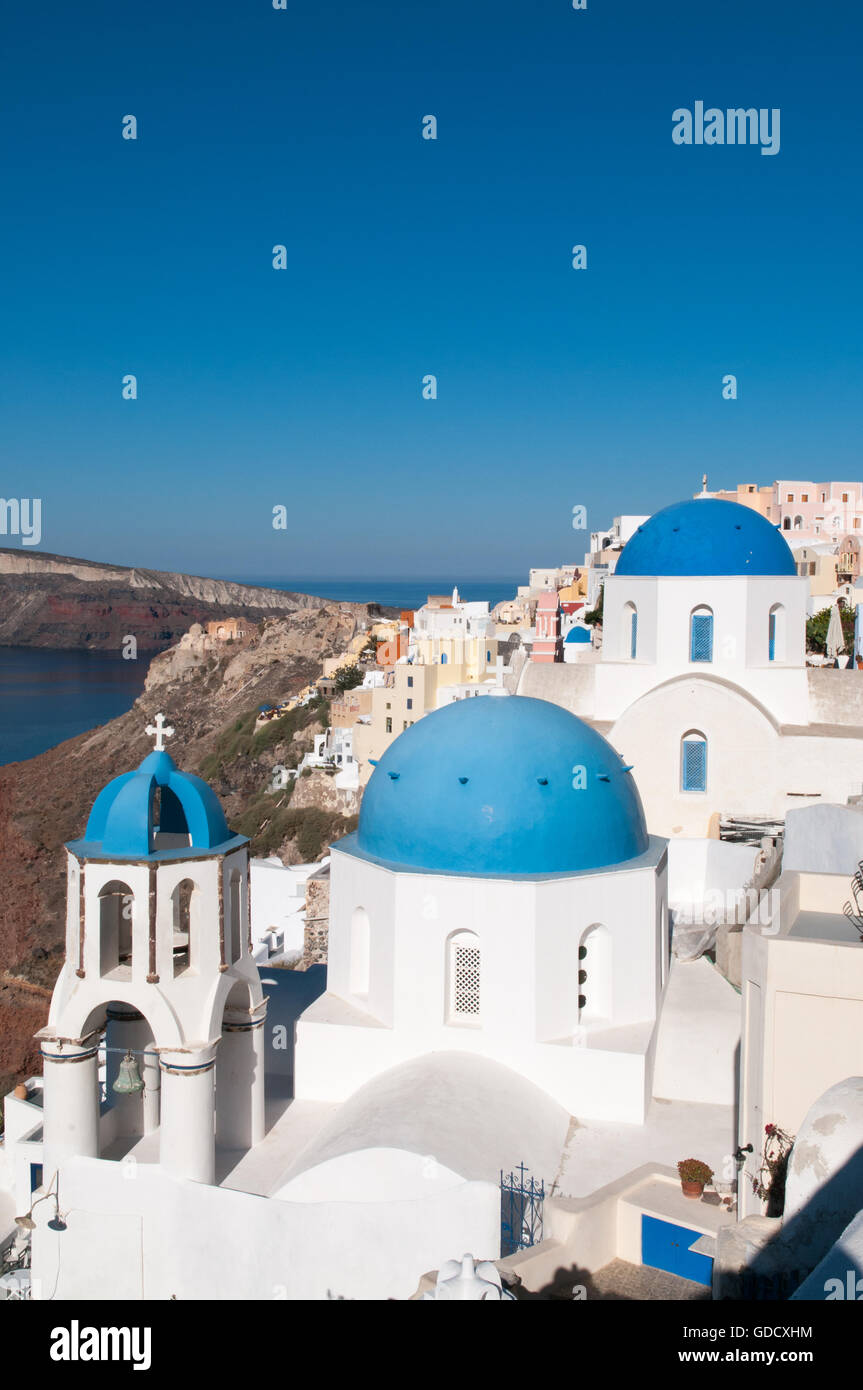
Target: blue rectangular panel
701 637
665 1245
694 772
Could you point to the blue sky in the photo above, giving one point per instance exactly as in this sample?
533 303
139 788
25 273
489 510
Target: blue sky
405 257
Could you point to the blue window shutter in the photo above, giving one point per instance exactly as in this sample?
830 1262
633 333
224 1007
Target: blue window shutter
633 635
694 765
772 637
701 637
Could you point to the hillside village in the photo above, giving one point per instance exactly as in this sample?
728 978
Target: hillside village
607 921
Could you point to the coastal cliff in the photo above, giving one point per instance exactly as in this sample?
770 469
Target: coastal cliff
56 601
210 693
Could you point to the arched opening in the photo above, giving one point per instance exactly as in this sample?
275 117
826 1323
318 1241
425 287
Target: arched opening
630 629
463 978
776 633
693 762
595 975
798 523
133 1113
235 935
186 902
443 659
786 523
701 634
116 915
360 952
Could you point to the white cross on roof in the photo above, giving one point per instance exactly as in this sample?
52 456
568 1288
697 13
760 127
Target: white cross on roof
161 731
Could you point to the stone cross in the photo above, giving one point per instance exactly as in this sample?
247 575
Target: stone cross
161 731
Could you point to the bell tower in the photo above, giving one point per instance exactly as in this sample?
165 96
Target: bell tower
158 981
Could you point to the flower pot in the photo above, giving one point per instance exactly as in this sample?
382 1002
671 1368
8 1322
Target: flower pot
692 1189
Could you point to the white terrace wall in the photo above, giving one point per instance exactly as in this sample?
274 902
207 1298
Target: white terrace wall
141 1234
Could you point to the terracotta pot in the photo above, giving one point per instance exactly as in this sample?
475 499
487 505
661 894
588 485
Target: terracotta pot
20 1092
692 1189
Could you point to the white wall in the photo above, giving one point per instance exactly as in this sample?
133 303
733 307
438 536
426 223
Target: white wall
157 1237
529 933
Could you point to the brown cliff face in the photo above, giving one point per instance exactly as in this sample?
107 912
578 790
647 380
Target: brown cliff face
54 601
206 691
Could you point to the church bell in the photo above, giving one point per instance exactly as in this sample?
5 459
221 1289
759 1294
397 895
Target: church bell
128 1081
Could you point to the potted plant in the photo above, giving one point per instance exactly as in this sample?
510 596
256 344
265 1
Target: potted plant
694 1176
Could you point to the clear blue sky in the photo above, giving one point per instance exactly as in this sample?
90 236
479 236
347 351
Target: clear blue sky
408 257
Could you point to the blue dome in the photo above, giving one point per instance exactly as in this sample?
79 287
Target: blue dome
706 536
501 785
123 822
577 634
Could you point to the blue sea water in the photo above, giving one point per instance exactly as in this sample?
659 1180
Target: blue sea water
47 696
393 593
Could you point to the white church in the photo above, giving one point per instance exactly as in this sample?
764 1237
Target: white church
501 988
701 682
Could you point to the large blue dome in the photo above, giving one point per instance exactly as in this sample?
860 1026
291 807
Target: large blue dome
501 785
706 536
158 798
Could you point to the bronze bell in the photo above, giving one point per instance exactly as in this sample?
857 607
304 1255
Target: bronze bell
128 1081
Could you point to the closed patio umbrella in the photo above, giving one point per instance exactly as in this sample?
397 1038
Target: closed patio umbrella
835 637
858 631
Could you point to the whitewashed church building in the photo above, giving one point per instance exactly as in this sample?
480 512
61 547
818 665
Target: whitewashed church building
701 682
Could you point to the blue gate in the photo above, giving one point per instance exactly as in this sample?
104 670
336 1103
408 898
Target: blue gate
521 1199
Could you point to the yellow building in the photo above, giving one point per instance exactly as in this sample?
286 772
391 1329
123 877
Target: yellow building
819 567
416 688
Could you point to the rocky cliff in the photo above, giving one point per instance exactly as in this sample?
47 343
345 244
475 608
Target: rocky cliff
55 601
210 693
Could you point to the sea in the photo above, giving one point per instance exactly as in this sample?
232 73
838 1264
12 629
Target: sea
47 696
393 593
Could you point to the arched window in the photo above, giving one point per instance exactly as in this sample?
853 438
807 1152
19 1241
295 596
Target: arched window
631 629
776 633
360 952
786 523
693 762
463 978
595 975
116 911
701 634
185 900
443 659
236 928
798 523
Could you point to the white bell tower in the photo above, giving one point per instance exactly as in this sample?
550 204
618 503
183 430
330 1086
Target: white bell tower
158 962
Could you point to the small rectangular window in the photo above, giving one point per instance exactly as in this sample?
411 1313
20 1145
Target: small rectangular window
410 680
694 765
701 638
845 497
790 497
410 704
465 981
804 497
389 725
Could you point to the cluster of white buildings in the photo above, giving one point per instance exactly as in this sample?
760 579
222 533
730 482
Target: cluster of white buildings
505 983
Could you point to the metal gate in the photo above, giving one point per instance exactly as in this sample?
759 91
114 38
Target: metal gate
521 1199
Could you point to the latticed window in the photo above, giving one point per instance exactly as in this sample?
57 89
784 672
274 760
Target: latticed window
701 637
464 977
693 764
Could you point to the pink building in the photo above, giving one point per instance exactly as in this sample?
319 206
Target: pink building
547 644
823 511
